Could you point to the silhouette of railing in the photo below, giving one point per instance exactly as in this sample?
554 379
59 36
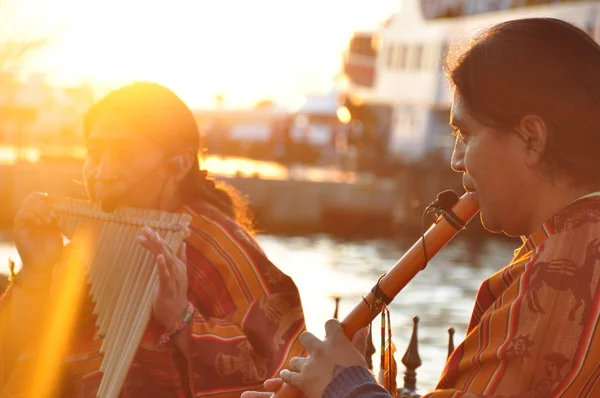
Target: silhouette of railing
411 359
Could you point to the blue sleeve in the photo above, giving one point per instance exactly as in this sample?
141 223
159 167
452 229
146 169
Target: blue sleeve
355 382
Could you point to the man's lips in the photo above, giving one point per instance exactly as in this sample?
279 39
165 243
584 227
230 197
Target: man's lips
473 194
104 195
469 188
105 191
468 185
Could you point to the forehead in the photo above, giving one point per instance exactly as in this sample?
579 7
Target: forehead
109 128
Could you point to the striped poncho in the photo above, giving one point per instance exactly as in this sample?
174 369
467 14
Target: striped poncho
248 317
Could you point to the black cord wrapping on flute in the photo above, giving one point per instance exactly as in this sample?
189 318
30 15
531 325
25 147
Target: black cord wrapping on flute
441 206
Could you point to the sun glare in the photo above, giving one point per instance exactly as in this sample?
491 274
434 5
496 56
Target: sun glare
243 50
58 326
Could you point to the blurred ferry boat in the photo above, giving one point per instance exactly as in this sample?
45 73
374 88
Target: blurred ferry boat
399 67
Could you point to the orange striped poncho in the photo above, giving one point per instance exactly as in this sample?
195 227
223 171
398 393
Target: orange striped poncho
248 317
535 331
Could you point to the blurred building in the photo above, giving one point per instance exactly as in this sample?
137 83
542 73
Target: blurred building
254 133
396 71
34 112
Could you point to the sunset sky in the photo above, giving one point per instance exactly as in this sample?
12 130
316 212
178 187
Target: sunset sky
245 50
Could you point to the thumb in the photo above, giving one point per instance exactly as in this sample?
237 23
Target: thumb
359 340
272 385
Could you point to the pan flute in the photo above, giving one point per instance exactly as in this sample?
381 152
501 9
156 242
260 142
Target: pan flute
121 274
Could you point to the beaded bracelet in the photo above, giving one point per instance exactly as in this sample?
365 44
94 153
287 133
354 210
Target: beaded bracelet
185 319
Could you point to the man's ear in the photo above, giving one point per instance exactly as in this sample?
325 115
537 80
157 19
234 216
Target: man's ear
534 131
181 163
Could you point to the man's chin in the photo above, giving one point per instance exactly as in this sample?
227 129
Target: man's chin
489 225
107 203
496 228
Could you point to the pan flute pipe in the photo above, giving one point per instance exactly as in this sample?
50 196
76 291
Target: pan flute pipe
121 274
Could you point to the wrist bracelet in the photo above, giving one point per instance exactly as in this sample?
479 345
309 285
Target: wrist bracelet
25 283
185 319
27 286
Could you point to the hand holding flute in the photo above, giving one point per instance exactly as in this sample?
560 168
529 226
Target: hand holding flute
336 353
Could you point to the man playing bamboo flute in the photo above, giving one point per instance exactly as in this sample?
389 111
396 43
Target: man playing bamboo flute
527 124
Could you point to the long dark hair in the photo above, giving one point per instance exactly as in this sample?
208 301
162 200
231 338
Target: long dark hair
540 66
160 115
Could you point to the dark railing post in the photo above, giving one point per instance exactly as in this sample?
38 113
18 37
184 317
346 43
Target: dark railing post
450 341
337 307
411 359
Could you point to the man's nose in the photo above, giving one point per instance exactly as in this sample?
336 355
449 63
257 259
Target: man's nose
458 157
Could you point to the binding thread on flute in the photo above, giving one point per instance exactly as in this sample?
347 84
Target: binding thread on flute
388 367
441 207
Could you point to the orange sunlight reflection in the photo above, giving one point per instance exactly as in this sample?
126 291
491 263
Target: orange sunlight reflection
217 166
59 326
243 50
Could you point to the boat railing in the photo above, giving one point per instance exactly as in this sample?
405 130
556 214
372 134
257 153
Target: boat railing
411 359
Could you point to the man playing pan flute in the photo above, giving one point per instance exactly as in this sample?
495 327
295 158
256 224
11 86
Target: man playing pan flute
224 317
